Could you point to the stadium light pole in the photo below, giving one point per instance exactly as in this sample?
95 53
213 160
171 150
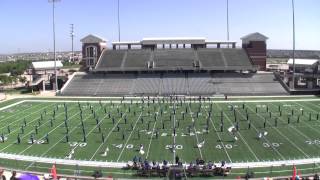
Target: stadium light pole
72 36
54 43
119 30
228 21
293 44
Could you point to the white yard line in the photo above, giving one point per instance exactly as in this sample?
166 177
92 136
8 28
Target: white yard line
110 132
18 113
11 105
243 139
295 128
174 135
59 141
30 132
305 154
195 131
219 137
309 126
154 125
48 132
64 136
27 116
276 150
135 124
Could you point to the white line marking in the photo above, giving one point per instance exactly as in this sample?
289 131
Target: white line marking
27 116
30 132
11 105
276 150
135 124
49 131
284 136
108 135
243 139
20 112
154 125
60 140
195 131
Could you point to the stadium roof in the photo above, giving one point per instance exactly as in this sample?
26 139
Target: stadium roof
222 42
46 64
303 61
92 39
174 40
127 42
254 37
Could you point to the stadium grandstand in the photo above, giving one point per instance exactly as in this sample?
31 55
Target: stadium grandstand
174 66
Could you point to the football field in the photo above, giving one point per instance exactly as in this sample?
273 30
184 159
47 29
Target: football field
161 129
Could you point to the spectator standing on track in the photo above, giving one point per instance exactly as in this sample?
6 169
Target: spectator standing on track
177 159
13 177
2 177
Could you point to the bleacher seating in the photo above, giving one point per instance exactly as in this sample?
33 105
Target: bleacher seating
242 84
200 84
236 57
147 84
137 59
210 57
110 59
174 84
176 58
99 85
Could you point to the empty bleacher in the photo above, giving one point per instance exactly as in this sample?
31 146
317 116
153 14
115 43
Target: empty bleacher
200 83
236 57
177 58
174 59
247 84
110 59
137 59
99 85
174 84
116 84
147 84
210 57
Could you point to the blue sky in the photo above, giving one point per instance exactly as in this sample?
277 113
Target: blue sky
26 25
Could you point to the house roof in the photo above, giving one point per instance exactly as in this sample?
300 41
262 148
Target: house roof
92 39
46 64
303 61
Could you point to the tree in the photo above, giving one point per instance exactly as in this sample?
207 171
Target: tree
22 79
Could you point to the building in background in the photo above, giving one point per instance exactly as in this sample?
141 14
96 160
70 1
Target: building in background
42 74
92 47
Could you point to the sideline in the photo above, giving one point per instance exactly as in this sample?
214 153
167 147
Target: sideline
156 101
104 164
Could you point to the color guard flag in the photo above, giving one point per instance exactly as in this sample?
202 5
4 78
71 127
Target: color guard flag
294 173
54 172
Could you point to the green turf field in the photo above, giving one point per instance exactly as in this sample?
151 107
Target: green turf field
291 126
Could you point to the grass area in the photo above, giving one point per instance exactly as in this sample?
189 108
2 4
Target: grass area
22 90
292 132
8 102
